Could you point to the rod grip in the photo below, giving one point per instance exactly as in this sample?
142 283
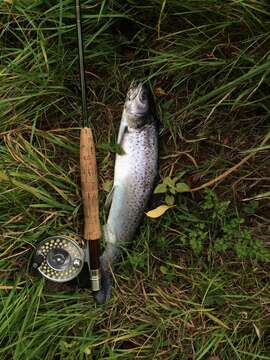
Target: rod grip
88 167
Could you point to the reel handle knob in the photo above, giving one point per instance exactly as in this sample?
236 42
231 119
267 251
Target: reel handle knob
37 261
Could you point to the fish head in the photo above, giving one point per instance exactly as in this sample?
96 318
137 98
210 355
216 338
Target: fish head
137 105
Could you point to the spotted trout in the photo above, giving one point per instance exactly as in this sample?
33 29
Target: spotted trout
134 175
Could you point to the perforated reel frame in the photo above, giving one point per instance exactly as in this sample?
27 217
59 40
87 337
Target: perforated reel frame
63 258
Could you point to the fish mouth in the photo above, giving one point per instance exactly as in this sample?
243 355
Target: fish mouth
137 113
134 89
135 84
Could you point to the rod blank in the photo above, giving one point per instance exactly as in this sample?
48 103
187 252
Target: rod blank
86 122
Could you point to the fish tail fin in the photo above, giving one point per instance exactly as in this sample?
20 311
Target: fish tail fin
107 259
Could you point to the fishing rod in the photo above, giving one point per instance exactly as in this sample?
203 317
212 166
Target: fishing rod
62 258
88 168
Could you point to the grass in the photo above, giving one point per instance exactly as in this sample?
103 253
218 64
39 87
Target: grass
208 65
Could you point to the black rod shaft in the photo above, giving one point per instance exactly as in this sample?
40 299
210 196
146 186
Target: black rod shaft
85 120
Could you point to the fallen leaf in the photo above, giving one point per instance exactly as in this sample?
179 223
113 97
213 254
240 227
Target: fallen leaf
258 333
226 140
159 92
157 212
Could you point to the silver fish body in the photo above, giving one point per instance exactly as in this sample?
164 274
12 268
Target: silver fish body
134 175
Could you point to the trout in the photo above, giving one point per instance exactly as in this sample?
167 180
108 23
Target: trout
134 174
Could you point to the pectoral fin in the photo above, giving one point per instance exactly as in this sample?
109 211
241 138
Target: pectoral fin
121 134
109 199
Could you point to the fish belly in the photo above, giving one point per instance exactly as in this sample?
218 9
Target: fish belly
134 176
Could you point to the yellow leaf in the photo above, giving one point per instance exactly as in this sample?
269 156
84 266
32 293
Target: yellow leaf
157 212
159 92
258 333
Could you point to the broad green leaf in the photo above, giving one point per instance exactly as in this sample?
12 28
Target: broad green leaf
169 181
169 199
182 187
160 189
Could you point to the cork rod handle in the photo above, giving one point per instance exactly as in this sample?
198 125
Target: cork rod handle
89 184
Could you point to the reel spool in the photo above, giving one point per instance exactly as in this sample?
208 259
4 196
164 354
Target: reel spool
59 258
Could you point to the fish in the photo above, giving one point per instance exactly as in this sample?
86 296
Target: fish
135 172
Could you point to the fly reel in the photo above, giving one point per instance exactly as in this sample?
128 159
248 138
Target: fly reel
60 258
